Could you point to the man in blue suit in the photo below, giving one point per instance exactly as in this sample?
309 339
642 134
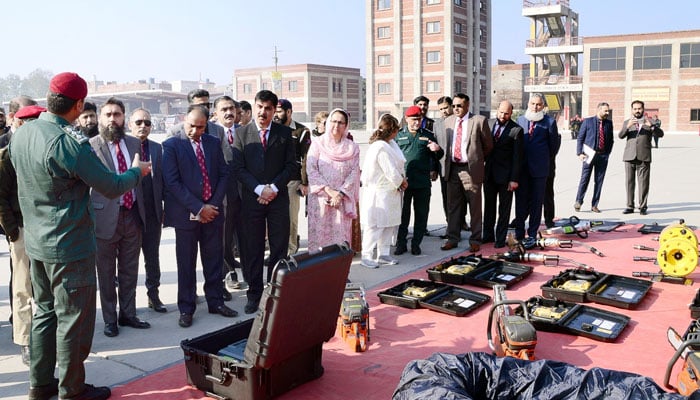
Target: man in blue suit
195 176
596 133
541 144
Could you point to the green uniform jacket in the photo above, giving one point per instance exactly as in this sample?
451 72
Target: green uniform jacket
420 161
55 169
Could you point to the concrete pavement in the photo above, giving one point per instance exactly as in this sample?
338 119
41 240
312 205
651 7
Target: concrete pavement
136 353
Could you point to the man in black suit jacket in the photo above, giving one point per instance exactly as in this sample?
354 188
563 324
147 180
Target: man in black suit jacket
140 125
195 176
590 135
502 173
264 160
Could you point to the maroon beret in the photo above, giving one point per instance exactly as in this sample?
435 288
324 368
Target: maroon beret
414 111
29 112
285 104
70 85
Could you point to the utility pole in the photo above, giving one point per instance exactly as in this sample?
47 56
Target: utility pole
276 75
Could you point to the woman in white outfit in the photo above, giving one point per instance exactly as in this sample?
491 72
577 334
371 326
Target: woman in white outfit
383 183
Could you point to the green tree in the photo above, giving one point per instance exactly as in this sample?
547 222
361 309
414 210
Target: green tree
10 87
36 84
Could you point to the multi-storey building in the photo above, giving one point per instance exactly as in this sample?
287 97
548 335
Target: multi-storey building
311 88
427 47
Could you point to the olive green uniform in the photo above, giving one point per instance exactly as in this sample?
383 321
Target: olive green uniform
55 168
420 161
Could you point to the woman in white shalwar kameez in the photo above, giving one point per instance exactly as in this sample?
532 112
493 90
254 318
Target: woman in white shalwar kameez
383 183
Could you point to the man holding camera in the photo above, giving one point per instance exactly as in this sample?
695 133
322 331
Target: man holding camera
638 131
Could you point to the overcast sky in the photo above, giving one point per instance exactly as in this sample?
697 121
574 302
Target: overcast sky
128 40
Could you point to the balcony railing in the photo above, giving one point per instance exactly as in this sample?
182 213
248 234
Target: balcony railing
554 80
542 3
555 42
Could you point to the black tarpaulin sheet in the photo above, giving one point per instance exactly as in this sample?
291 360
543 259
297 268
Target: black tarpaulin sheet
482 376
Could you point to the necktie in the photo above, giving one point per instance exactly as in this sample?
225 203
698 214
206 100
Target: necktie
206 186
263 140
601 136
532 129
128 197
498 132
229 136
144 151
458 142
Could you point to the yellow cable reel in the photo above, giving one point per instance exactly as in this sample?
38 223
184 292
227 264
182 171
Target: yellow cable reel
678 250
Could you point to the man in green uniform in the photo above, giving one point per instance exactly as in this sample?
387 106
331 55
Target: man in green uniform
422 153
57 168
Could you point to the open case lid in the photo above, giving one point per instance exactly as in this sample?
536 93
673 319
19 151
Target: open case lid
299 308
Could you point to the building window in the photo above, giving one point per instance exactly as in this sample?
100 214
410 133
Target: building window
383 4
247 88
432 86
458 86
611 59
458 57
383 32
695 115
337 86
458 2
433 27
458 28
690 55
384 88
292 86
652 57
383 60
266 86
431 2
432 57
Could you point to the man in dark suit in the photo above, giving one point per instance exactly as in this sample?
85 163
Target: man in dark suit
264 160
638 131
467 141
541 145
118 223
596 134
501 174
140 125
195 176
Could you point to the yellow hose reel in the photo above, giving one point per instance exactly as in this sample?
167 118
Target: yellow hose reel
678 250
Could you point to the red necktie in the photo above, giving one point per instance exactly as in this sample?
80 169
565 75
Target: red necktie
229 136
532 129
601 136
458 142
498 132
263 140
128 197
206 186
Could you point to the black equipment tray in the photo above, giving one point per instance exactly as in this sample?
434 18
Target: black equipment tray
605 226
498 273
284 346
439 272
455 301
395 295
615 290
695 306
576 319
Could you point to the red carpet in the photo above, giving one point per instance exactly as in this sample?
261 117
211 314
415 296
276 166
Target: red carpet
399 335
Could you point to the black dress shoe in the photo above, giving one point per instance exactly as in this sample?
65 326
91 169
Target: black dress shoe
134 322
415 250
448 246
93 393
226 295
111 330
628 211
43 392
185 320
400 249
157 305
487 240
224 310
643 211
251 307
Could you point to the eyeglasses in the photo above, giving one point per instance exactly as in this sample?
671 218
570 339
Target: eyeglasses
146 122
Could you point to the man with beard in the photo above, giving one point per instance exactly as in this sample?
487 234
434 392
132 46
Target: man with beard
87 121
140 125
638 131
3 121
118 224
226 115
597 134
541 144
302 141
246 113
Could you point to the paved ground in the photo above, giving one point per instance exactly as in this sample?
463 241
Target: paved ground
136 353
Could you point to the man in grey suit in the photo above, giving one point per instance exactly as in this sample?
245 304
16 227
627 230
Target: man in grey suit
118 223
502 173
140 126
467 141
638 131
